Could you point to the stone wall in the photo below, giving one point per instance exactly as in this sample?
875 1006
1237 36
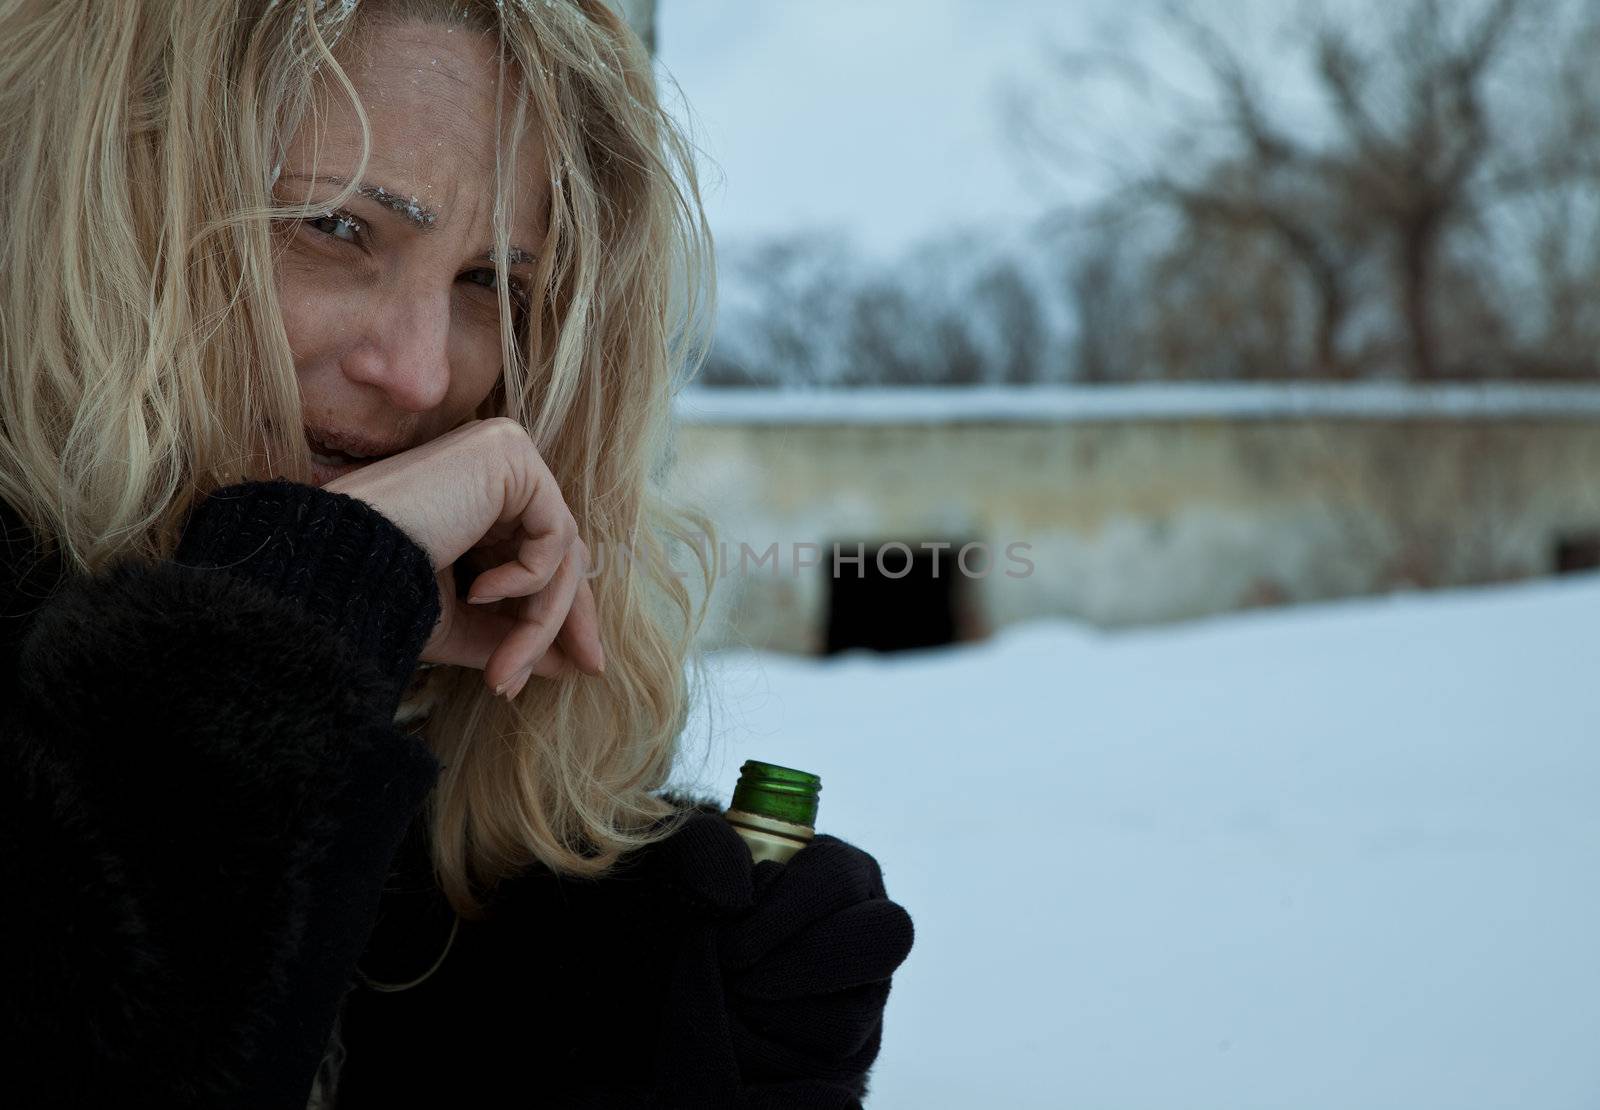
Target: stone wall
1133 521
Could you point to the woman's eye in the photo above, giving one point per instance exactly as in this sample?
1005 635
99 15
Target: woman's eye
335 225
486 278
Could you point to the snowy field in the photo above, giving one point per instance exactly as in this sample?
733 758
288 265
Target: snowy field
1341 857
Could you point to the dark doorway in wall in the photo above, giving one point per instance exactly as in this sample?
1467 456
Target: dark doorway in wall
1578 552
903 602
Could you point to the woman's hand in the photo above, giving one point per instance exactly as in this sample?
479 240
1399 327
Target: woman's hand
805 950
809 967
481 490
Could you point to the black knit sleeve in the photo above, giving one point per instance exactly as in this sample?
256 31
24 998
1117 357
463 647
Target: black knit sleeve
200 795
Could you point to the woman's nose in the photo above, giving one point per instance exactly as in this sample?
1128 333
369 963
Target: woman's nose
405 352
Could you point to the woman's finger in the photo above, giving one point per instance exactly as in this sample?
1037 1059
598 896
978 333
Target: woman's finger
548 533
540 618
580 635
476 632
538 558
473 635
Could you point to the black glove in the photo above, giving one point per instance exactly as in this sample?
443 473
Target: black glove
803 952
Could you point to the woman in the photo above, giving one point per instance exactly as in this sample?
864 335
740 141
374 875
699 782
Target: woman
334 337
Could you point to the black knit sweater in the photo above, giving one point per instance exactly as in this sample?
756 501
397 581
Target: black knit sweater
209 829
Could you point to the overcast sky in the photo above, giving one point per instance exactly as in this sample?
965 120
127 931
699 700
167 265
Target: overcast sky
882 118
885 117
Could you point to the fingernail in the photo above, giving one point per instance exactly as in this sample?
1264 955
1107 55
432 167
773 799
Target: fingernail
516 683
485 600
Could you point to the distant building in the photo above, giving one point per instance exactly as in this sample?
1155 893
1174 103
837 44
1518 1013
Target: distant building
1122 505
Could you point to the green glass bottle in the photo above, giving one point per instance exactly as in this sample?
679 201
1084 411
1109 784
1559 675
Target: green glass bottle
774 809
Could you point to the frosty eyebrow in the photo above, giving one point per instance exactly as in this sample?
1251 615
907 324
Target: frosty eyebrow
416 213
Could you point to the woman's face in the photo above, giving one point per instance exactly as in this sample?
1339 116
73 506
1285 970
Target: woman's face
390 302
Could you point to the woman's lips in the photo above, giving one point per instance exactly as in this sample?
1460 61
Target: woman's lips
327 465
349 444
324 472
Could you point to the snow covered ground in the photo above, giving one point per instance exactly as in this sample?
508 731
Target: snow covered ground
1341 857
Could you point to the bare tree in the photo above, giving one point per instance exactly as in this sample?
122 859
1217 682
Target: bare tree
1005 304
1362 243
882 316
810 312
788 321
